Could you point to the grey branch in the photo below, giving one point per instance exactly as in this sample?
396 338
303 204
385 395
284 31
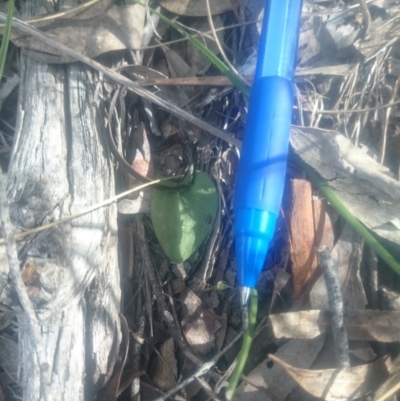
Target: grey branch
335 300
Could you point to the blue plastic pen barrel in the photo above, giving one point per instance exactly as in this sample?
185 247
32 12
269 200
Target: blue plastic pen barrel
262 168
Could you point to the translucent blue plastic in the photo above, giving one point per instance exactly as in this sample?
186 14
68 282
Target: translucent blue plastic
262 168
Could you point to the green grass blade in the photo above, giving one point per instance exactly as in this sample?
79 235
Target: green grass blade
244 352
6 37
210 55
357 226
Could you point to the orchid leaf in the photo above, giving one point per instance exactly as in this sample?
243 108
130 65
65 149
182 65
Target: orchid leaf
183 219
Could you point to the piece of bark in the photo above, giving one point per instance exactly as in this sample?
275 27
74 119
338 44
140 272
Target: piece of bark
59 166
310 228
304 261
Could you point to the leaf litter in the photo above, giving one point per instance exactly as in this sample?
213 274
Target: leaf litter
345 126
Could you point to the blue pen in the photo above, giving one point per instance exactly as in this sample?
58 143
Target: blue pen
262 167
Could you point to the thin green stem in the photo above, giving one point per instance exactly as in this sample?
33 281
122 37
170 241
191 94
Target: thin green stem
244 352
6 37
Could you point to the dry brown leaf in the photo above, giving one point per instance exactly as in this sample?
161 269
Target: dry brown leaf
383 34
310 229
367 189
196 8
198 62
165 371
367 325
391 386
338 384
199 324
118 28
302 241
178 68
271 376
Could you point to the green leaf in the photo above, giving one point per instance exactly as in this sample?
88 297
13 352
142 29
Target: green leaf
183 219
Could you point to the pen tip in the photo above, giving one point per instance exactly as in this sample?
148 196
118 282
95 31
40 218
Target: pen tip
244 295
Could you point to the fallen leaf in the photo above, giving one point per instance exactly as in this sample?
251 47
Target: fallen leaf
183 219
382 35
341 29
199 324
198 62
178 68
390 299
196 8
271 376
367 189
338 384
367 325
165 370
118 28
390 386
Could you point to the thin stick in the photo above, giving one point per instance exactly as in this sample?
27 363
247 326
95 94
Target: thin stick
366 15
386 124
383 106
335 299
133 86
20 289
202 371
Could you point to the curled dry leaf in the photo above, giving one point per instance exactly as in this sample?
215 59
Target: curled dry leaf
367 189
165 371
368 325
391 386
196 8
338 384
118 28
310 229
272 377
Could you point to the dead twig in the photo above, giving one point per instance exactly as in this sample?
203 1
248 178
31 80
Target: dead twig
336 307
366 15
383 106
386 122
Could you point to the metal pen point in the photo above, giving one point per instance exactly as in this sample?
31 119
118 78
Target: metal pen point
262 167
244 295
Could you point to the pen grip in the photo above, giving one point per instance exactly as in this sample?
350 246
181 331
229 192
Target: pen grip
262 167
